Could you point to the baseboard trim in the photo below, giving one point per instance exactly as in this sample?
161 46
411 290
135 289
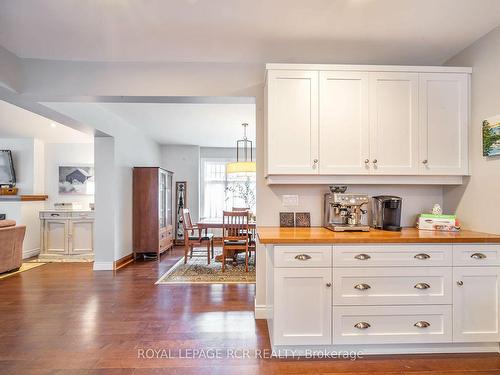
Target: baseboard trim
31 253
103 266
260 311
124 261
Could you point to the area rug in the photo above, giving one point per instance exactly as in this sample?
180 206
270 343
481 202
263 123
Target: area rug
42 259
24 267
197 271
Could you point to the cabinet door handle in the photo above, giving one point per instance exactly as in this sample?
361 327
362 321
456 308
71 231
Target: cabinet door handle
367 161
362 286
422 286
362 325
375 161
460 283
362 257
425 161
328 285
478 256
302 257
422 324
422 256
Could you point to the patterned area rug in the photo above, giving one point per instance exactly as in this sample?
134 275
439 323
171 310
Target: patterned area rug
24 267
197 271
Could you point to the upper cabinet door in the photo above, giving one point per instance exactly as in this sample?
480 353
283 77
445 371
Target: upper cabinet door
443 123
344 129
394 123
292 122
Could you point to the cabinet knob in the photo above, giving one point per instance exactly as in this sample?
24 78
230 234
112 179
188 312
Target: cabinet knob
422 256
315 161
328 285
302 257
422 286
362 286
425 161
460 283
367 161
362 325
478 256
375 161
362 257
422 324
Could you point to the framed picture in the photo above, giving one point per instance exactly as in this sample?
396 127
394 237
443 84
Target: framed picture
302 219
76 180
491 136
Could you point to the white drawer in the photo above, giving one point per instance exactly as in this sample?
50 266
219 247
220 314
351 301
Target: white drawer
55 215
303 256
476 255
392 324
392 286
389 255
82 215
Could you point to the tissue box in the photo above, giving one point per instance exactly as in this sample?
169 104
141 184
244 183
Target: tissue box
446 223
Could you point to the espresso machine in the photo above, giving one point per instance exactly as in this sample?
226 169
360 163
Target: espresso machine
345 211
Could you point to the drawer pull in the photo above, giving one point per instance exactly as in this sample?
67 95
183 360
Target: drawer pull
362 257
362 325
362 286
478 256
422 256
54 215
302 257
422 324
422 286
329 285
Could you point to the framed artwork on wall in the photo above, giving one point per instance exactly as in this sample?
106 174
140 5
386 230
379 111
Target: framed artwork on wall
76 180
180 204
491 136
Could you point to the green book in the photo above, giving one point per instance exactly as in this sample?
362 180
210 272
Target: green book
432 216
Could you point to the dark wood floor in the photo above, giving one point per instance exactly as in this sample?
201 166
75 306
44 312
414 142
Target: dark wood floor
65 319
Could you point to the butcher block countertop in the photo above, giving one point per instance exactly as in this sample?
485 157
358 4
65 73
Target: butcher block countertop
277 235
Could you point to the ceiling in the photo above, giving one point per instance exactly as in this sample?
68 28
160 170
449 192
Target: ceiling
342 31
202 124
16 122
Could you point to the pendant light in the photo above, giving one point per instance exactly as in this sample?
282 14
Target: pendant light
246 164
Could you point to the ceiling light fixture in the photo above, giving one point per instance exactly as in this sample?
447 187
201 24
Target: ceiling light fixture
245 165
53 124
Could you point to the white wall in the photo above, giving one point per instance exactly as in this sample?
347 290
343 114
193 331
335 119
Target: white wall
476 202
66 154
184 161
27 154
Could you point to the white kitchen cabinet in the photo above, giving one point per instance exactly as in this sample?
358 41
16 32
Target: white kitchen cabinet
66 234
344 133
292 122
443 123
302 306
55 237
81 236
476 297
394 123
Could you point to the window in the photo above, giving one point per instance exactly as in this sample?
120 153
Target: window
220 192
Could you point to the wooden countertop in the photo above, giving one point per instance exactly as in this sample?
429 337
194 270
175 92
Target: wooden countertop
277 235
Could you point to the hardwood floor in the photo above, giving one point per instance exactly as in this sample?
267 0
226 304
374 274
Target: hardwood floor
65 319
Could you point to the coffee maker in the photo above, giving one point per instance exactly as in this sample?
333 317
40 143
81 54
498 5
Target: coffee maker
386 212
344 211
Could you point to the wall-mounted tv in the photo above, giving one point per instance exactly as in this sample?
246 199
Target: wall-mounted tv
7 172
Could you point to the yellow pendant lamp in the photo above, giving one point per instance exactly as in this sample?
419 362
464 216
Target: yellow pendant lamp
243 166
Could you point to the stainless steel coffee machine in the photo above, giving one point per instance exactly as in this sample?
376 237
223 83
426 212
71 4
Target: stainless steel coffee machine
345 211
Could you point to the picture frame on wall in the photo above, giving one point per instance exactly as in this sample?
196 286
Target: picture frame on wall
491 136
180 204
76 180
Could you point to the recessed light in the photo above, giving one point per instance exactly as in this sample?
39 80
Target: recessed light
53 124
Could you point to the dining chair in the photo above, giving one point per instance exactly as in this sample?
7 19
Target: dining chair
234 235
252 246
192 239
